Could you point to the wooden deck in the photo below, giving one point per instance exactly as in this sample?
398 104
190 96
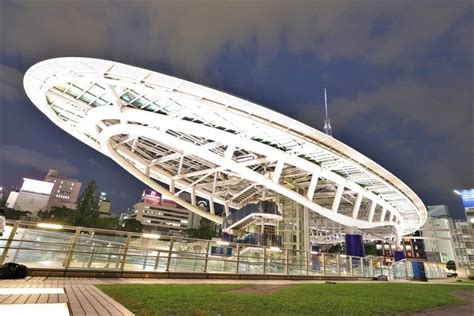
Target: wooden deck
82 297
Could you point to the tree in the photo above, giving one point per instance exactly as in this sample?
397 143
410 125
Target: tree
132 225
204 231
87 208
15 214
60 215
370 249
337 248
107 223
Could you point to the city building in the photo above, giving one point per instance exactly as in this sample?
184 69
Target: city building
6 189
33 196
105 208
105 205
447 239
161 215
438 211
10 203
438 234
65 190
256 167
468 229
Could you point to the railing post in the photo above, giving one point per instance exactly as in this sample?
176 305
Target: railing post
238 259
145 260
157 260
70 252
287 262
208 246
308 254
125 250
339 264
168 261
9 241
323 257
89 262
350 266
264 260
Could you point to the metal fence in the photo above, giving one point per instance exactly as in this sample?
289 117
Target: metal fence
68 247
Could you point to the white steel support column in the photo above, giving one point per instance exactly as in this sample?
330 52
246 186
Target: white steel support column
382 216
226 209
373 205
278 170
172 188
355 210
337 198
193 195
211 206
306 242
312 186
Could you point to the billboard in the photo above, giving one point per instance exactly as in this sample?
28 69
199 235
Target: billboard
151 197
468 198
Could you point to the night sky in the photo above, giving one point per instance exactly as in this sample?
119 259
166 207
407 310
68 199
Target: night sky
399 77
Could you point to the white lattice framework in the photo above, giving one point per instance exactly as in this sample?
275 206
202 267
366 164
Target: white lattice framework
177 136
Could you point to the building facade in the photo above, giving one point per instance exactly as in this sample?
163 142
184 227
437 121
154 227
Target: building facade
65 190
162 216
33 196
5 191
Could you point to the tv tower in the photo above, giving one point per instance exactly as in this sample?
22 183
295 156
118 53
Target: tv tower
327 121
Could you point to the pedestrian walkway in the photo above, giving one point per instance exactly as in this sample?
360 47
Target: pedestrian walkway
81 297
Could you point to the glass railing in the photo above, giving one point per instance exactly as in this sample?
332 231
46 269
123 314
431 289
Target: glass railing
403 269
79 248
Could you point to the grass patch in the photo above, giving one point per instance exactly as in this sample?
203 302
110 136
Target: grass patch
323 299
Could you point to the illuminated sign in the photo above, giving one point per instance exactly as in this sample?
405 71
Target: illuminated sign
36 186
151 197
468 198
221 251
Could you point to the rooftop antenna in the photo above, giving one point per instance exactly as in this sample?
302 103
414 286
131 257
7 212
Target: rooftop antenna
327 121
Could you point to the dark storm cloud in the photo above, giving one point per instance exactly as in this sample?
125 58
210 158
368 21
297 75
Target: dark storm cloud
399 73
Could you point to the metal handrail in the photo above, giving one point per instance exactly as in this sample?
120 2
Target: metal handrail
167 257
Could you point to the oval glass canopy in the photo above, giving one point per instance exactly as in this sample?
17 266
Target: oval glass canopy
182 138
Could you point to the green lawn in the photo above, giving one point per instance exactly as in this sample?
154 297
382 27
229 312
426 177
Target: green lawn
322 299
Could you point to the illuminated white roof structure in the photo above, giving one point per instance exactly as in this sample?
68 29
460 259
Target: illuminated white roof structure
217 146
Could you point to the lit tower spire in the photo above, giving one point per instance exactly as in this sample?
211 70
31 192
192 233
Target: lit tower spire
327 121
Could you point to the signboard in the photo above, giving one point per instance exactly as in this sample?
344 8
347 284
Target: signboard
221 251
151 197
468 198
